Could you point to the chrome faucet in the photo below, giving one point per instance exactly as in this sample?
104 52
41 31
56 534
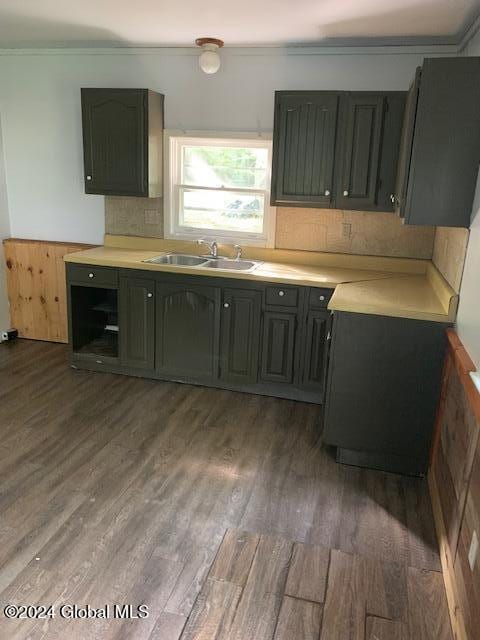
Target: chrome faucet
212 247
238 251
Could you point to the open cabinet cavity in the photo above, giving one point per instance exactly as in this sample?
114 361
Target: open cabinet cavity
95 321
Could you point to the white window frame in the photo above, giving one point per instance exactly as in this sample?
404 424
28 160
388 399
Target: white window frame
172 230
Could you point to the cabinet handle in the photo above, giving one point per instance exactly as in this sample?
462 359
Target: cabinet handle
345 193
281 293
89 177
149 295
327 192
321 298
91 275
226 305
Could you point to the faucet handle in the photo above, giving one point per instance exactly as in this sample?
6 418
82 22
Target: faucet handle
238 251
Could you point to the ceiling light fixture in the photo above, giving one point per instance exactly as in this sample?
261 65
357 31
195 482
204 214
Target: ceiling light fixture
209 59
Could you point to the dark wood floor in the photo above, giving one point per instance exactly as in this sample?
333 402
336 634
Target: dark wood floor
220 511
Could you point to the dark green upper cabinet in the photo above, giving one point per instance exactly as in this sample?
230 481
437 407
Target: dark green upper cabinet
122 141
137 322
240 339
304 145
336 149
440 150
187 330
371 132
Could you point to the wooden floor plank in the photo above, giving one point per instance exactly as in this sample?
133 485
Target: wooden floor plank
428 613
116 488
298 619
381 629
212 615
307 576
235 557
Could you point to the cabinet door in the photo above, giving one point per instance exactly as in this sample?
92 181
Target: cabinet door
405 152
240 335
115 141
316 350
304 148
358 186
187 330
278 347
137 323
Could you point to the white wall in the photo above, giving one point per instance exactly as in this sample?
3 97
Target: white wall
40 108
4 233
468 319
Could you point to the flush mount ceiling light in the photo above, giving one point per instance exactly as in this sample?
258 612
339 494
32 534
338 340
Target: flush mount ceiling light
209 59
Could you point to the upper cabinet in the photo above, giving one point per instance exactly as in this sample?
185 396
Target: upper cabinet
336 149
440 150
305 135
122 141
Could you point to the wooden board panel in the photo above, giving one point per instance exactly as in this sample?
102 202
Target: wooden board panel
36 287
453 484
468 579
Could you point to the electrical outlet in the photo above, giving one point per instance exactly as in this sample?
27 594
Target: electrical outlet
346 229
151 216
473 552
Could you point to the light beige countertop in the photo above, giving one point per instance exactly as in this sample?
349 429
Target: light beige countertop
363 284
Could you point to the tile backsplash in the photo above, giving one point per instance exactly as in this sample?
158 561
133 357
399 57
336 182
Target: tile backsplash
134 216
449 251
357 232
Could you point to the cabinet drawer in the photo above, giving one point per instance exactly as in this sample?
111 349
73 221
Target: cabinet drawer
92 275
281 296
318 298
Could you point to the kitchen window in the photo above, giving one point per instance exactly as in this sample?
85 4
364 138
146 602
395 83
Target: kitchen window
219 188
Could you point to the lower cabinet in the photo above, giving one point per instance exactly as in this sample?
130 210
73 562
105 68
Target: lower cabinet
269 338
137 323
278 347
315 350
240 335
187 330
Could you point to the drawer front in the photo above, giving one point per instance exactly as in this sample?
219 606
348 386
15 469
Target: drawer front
281 296
318 298
92 275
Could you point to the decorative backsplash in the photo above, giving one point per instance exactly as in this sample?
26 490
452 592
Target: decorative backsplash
357 232
325 230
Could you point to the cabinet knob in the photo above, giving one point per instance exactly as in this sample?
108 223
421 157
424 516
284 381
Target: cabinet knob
226 305
321 298
392 198
345 193
281 293
149 295
91 274
89 177
327 192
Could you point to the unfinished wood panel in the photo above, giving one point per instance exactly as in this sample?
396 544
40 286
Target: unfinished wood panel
235 557
468 578
298 619
37 288
307 576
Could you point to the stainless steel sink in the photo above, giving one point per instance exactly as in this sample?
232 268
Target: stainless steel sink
178 259
233 265
205 262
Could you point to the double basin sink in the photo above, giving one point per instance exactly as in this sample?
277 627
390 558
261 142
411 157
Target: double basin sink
204 262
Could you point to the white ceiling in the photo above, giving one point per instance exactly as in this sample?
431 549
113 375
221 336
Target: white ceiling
97 23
